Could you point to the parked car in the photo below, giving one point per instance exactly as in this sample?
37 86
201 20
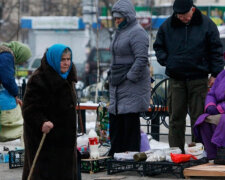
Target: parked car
90 72
33 64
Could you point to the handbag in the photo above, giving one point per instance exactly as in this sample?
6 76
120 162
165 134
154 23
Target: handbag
102 123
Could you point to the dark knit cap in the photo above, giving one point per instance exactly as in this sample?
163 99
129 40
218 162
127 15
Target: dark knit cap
182 6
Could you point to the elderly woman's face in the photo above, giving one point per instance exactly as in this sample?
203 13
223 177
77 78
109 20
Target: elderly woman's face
65 62
118 20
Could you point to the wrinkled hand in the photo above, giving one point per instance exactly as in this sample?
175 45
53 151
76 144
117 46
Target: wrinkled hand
212 110
18 101
47 126
211 81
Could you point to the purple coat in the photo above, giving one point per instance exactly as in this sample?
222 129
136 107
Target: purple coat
211 135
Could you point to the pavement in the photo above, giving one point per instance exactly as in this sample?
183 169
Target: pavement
16 174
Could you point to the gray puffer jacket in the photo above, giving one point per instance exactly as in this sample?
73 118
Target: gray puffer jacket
129 79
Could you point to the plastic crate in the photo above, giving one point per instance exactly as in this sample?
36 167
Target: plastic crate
94 165
4 157
16 159
151 168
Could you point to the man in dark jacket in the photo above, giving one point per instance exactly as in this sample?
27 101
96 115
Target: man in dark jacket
188 44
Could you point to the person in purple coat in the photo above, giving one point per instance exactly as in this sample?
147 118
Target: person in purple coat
209 127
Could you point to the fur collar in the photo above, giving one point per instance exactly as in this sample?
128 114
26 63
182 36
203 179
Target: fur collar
196 19
6 49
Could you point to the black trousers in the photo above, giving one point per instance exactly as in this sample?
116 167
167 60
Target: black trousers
124 132
184 96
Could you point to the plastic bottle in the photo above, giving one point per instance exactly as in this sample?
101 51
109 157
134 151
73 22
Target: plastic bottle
93 144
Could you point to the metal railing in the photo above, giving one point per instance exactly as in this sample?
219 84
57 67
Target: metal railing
159 114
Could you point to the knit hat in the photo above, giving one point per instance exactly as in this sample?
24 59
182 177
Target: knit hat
118 15
182 6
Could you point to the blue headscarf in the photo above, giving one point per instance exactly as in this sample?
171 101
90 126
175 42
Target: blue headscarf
54 55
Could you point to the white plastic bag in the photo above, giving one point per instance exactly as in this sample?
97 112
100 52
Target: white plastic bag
197 150
155 155
82 143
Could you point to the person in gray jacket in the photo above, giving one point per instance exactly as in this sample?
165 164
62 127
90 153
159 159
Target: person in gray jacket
129 79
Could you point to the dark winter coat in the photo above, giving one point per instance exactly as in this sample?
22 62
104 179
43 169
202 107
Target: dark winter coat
189 51
130 77
49 97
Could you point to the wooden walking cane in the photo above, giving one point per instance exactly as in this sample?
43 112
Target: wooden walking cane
36 156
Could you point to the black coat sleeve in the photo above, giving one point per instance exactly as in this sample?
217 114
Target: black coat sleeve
215 50
35 104
159 47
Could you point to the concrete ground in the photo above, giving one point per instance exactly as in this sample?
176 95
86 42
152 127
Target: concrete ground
15 174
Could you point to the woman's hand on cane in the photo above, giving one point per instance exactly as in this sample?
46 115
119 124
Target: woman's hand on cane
47 126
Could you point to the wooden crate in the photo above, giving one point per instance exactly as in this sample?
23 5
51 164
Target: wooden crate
209 169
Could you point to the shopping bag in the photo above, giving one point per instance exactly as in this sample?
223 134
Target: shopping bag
102 123
178 158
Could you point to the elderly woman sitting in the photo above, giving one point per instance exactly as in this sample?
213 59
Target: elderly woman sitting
209 127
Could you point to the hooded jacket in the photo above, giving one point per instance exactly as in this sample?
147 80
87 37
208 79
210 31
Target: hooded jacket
189 51
130 61
49 97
